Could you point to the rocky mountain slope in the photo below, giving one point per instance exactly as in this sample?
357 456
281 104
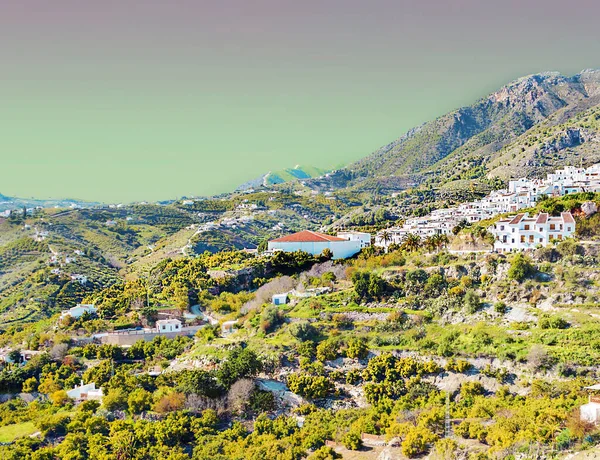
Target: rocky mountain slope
525 123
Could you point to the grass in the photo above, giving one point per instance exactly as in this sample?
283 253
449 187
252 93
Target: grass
9 433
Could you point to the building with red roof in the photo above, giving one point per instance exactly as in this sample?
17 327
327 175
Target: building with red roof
522 232
315 243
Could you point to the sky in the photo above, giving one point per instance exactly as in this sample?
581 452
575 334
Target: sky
129 100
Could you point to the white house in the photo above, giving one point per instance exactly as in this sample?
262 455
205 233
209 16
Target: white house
590 412
314 243
280 299
78 310
86 392
228 326
364 238
523 232
81 279
168 325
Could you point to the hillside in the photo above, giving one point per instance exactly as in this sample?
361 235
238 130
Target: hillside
526 123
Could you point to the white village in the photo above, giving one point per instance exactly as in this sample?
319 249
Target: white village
518 233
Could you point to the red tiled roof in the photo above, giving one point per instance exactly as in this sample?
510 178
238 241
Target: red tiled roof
307 236
567 217
516 219
542 218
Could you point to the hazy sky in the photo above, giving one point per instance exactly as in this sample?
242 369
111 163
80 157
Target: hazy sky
122 100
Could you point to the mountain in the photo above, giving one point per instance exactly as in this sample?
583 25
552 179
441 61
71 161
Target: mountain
10 203
298 172
526 127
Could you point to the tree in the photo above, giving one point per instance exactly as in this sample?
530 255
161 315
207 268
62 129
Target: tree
327 254
115 399
417 441
239 395
138 401
472 302
411 243
520 268
170 403
352 441
240 363
59 398
357 348
303 331
309 386
326 351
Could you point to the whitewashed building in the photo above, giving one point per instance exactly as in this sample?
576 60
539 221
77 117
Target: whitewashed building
280 299
315 243
164 326
523 232
86 392
363 237
78 310
590 412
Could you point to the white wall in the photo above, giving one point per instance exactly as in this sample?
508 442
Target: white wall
340 249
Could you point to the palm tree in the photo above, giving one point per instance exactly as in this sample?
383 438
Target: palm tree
431 243
385 237
411 243
443 241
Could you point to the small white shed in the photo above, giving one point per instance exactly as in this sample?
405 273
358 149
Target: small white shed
280 299
590 412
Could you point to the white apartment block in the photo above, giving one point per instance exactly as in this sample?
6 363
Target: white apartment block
523 232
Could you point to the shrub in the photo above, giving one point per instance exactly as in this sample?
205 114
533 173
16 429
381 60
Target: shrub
303 331
326 351
352 441
520 268
357 348
500 307
308 386
472 302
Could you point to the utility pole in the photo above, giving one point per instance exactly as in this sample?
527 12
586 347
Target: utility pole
447 427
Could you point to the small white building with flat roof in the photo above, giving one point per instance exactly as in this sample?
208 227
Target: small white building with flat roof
590 412
164 326
280 299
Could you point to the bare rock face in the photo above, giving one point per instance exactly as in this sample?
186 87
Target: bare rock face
589 208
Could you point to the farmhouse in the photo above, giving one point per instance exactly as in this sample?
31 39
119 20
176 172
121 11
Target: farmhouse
315 243
168 325
523 232
86 392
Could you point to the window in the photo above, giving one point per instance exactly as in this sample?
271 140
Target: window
513 240
526 227
552 227
522 238
513 230
531 239
541 240
568 229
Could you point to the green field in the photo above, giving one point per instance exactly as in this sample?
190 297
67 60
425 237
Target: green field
9 433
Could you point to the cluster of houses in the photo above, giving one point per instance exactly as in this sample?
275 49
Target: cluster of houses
518 233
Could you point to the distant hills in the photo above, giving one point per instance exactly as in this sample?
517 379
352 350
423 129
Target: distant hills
284 175
7 202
